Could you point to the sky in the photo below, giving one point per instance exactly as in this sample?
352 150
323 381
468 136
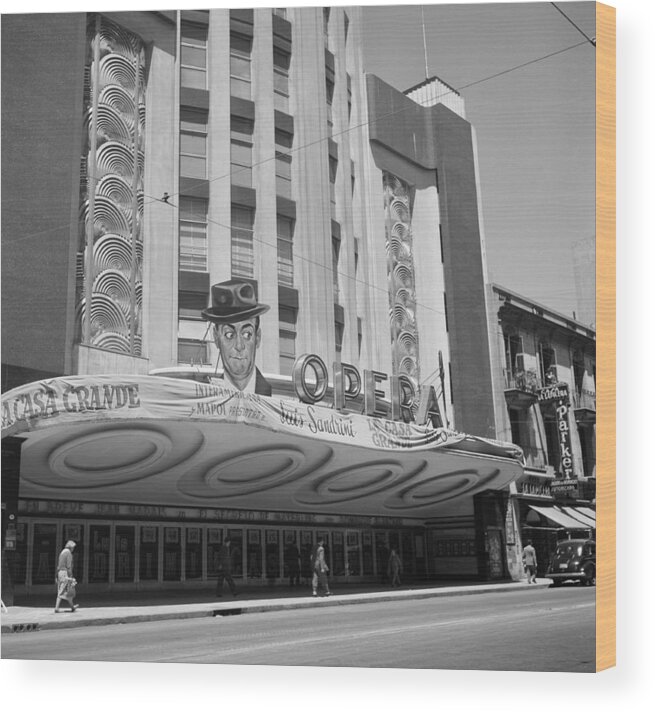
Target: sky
535 125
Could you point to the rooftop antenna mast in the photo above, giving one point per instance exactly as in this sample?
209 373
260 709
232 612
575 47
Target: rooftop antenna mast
425 44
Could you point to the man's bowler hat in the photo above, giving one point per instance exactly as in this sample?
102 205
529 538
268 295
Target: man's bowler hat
233 301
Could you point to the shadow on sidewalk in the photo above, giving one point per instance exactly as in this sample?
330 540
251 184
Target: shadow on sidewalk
207 594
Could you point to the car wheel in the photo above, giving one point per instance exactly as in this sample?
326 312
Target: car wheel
589 576
557 583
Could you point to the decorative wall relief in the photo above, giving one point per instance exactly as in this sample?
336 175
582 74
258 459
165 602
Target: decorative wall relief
110 257
400 271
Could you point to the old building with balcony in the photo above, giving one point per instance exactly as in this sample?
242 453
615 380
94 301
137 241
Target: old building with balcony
544 373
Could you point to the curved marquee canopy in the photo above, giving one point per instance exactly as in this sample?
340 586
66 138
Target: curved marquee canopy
172 442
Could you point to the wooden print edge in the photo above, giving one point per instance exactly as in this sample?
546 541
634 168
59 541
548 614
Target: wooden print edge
606 334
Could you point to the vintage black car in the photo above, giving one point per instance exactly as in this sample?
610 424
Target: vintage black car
574 560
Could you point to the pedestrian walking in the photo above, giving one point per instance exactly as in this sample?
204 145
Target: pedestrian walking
394 568
320 570
64 580
225 569
530 561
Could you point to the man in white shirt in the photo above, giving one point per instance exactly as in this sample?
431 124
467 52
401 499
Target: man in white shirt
530 562
235 315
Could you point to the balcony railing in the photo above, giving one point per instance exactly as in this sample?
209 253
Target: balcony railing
526 381
521 388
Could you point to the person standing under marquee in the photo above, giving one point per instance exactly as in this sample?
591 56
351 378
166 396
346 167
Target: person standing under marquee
225 569
320 570
530 561
64 579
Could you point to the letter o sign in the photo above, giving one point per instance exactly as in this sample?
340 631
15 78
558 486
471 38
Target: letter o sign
310 389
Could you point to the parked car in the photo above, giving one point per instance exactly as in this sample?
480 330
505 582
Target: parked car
574 559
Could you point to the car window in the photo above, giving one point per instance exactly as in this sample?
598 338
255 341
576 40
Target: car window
569 548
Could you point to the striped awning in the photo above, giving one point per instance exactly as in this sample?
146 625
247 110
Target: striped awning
562 518
585 515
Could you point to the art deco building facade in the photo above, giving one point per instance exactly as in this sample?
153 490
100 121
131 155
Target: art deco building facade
149 155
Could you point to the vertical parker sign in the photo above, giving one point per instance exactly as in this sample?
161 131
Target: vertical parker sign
559 394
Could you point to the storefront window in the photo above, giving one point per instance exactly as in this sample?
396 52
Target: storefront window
407 553
291 556
193 562
149 554
20 559
254 554
236 547
272 554
381 553
99 553
419 555
338 554
124 548
367 554
172 554
394 541
352 554
44 561
306 546
214 539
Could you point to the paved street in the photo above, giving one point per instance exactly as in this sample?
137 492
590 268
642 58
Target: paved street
540 629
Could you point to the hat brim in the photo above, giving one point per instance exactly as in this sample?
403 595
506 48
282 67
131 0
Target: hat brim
233 317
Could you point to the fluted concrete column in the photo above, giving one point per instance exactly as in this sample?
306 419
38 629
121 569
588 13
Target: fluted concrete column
310 173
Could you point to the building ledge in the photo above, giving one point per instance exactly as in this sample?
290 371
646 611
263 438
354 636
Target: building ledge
585 416
518 398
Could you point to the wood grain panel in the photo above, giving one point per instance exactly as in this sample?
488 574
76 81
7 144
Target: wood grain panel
606 335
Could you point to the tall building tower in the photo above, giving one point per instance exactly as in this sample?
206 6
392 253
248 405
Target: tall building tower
150 155
192 147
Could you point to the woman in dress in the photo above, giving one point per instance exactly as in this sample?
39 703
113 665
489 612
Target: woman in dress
65 581
394 568
321 569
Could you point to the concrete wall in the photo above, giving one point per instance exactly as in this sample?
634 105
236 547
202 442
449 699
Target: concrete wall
435 146
465 273
160 234
42 87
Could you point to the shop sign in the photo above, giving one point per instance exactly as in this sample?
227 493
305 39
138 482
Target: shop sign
559 394
565 487
142 512
103 398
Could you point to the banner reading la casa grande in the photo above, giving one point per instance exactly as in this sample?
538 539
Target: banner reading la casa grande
87 399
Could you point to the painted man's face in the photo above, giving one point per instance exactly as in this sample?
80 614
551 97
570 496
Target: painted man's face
238 344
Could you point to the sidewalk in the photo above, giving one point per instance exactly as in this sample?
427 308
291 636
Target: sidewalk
138 607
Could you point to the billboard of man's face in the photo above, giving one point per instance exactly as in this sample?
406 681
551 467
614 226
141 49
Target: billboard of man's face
238 344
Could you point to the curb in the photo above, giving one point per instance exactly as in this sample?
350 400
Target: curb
28 622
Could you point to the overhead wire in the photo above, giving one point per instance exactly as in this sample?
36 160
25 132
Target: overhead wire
380 117
591 40
167 196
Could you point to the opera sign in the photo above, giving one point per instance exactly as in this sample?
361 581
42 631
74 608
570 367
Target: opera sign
310 379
